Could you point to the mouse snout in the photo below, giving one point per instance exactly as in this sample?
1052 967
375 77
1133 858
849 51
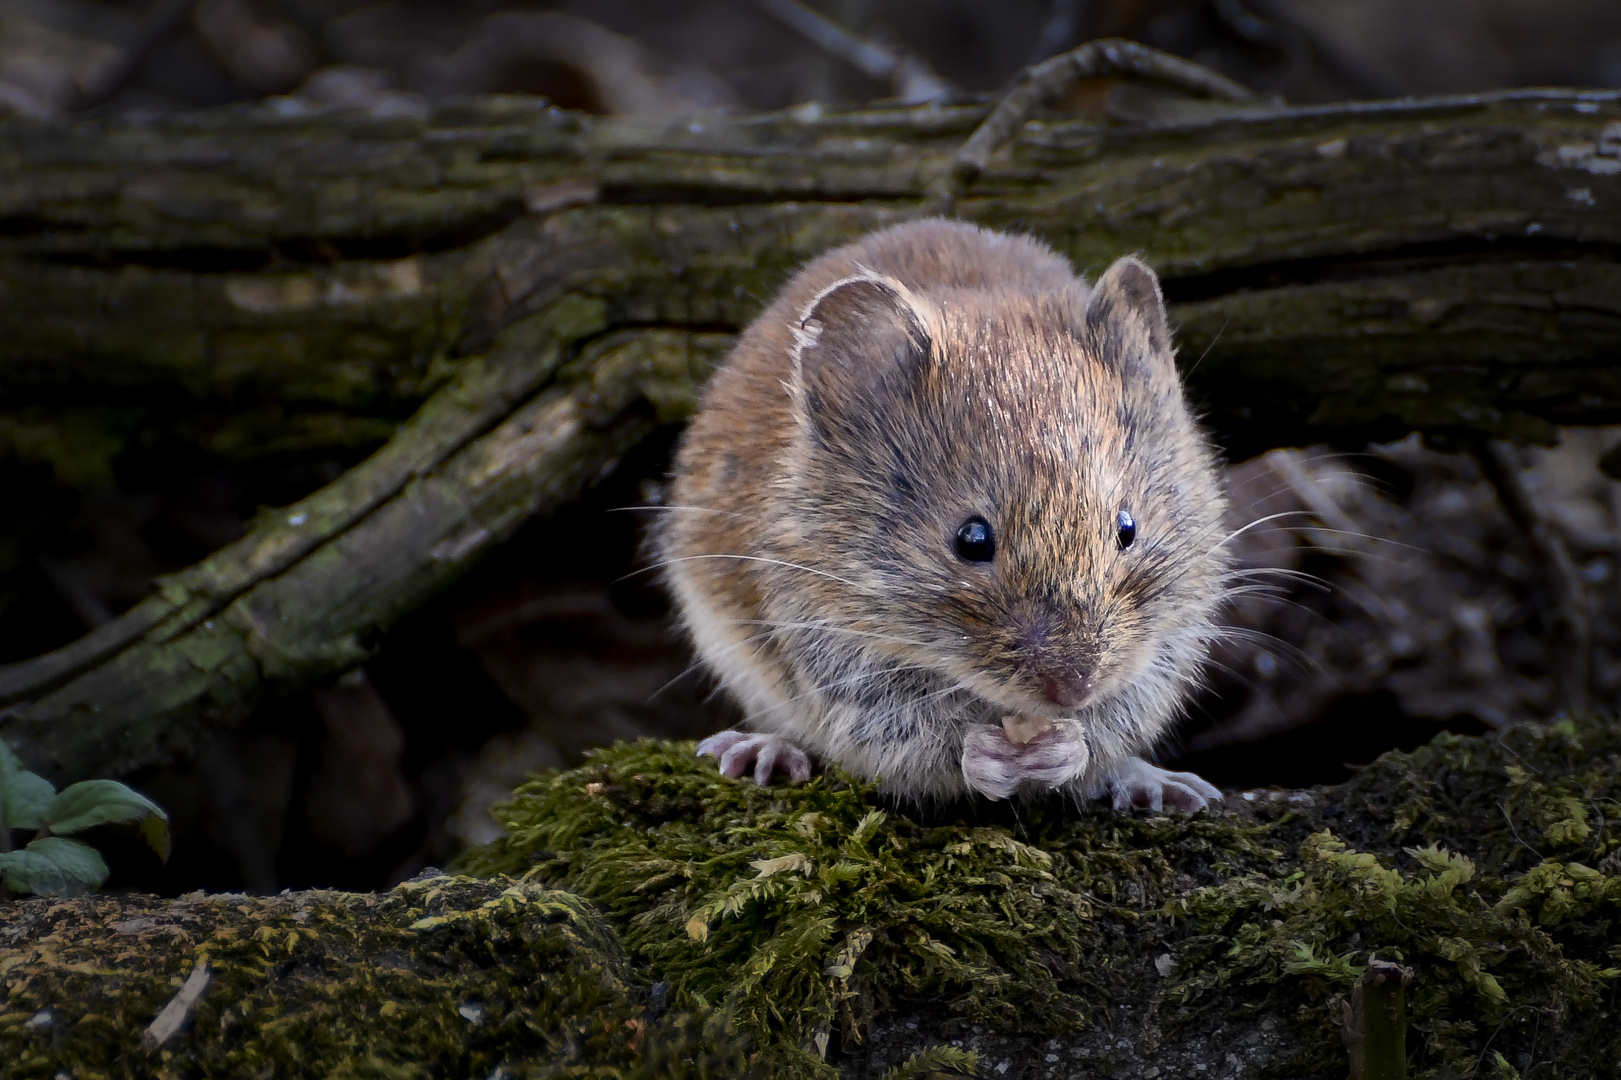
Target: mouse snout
1063 672
1066 688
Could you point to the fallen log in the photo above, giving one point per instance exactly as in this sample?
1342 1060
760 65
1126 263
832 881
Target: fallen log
839 935
546 288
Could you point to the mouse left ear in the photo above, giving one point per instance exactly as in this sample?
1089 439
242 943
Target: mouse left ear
858 345
1125 312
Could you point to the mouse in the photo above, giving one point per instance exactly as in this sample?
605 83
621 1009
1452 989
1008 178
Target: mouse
944 517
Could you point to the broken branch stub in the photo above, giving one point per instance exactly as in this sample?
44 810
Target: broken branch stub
1376 1022
544 288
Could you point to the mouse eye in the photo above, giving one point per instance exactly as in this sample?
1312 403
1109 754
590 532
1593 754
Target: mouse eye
975 542
1125 528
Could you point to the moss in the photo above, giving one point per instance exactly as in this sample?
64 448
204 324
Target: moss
443 977
669 922
804 913
1482 953
1488 870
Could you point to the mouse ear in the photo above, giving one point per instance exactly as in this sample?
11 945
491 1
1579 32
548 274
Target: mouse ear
860 342
1125 312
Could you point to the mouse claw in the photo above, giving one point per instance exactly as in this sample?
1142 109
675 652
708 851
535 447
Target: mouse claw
737 750
1143 786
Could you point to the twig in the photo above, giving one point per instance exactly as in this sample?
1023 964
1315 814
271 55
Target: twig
174 1014
1046 80
909 76
1570 636
164 18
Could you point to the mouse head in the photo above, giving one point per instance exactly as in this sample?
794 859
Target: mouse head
1005 487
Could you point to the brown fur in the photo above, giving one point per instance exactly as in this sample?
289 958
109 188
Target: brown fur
923 375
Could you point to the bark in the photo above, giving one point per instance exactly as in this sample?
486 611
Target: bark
548 287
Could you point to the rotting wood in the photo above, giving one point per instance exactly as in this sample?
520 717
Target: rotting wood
304 597
1344 272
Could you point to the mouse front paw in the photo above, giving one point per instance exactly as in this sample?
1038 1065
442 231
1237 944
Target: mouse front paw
737 750
1148 787
996 766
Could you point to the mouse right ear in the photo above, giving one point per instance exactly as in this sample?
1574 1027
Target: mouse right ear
1126 315
858 345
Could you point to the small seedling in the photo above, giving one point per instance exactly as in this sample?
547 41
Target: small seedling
51 864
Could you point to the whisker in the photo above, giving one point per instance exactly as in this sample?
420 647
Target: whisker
696 665
1210 346
1329 530
1257 523
1285 572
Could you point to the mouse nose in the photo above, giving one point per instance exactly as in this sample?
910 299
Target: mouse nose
1066 688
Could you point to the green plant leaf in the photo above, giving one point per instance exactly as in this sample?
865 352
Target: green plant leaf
100 802
53 866
23 795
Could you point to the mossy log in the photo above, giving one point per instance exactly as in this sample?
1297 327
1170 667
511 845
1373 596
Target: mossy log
544 288
668 913
440 977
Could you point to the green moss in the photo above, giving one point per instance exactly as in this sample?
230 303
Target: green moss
675 923
805 912
440 978
1505 912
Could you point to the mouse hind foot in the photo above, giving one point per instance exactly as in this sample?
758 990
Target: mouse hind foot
1145 786
735 751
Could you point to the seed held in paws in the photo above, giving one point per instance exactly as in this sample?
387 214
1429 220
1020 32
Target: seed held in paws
1022 729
